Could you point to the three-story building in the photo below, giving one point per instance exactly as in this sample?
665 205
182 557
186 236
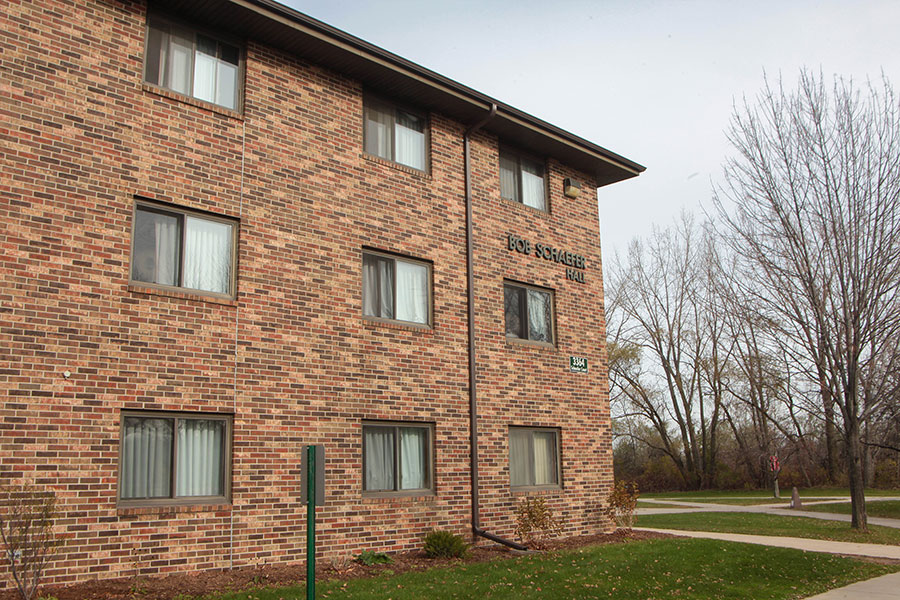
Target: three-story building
229 231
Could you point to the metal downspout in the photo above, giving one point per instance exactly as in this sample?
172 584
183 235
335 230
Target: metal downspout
470 297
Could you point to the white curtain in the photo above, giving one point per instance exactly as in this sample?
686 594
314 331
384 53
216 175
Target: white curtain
378 130
226 84
520 457
413 462
200 460
508 179
410 139
205 76
532 185
412 292
379 458
539 316
181 52
207 255
166 250
378 287
544 458
146 458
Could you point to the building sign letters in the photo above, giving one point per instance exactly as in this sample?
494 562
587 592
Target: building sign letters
575 263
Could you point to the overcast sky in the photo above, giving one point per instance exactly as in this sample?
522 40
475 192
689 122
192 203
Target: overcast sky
652 81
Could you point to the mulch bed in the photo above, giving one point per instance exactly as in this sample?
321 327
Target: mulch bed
205 582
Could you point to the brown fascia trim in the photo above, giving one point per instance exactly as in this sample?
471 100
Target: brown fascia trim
307 25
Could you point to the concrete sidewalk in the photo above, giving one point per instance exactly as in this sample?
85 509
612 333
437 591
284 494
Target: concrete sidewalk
886 587
844 548
682 506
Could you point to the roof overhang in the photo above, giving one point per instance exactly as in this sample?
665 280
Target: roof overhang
386 73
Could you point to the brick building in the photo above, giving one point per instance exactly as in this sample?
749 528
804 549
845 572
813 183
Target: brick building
229 231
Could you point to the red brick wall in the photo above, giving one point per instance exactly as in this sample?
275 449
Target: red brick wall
291 358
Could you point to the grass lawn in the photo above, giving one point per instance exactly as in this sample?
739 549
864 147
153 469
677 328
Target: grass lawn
725 500
668 568
889 509
762 524
643 504
785 493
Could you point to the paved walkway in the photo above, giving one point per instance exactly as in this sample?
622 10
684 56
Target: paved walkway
886 587
683 506
844 548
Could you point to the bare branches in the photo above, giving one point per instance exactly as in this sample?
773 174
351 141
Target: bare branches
26 530
814 183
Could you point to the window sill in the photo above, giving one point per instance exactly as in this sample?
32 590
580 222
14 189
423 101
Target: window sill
136 511
538 490
425 175
153 89
511 341
375 323
536 211
177 293
390 497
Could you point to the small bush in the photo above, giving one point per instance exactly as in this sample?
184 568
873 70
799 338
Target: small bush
370 558
444 544
622 501
535 522
26 530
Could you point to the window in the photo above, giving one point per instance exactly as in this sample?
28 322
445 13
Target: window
396 289
533 457
522 180
191 63
183 249
173 457
529 313
396 457
395 134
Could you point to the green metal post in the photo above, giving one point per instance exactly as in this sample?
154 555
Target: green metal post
311 523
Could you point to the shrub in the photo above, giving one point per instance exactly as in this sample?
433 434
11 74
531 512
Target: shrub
535 522
444 544
26 529
370 558
622 501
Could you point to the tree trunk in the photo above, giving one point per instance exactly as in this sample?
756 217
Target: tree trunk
857 488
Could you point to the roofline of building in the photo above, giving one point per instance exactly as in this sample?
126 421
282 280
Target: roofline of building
331 47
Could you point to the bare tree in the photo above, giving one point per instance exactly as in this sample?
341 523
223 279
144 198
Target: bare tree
811 205
666 348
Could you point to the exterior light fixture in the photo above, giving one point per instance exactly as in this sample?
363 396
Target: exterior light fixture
571 188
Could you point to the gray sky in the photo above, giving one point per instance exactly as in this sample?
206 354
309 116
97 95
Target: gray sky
653 81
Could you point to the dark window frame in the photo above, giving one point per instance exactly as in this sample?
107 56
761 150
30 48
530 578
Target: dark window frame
154 18
558 466
519 157
181 214
523 311
429 288
396 426
172 499
372 101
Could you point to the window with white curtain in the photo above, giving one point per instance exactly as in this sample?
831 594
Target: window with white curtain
395 288
528 312
183 60
184 249
522 180
397 457
395 134
173 457
533 457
